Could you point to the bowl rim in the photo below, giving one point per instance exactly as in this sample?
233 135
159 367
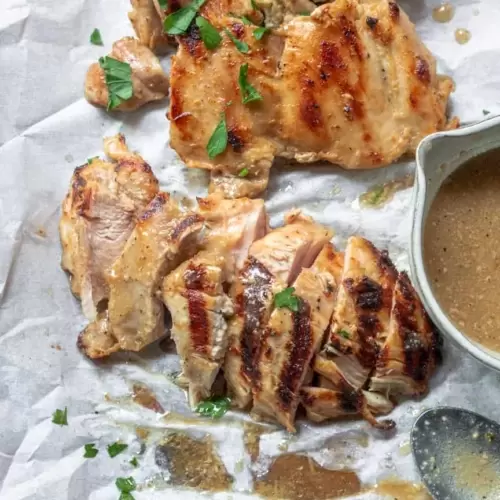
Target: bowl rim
417 267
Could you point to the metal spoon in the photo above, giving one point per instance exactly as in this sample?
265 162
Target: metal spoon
457 453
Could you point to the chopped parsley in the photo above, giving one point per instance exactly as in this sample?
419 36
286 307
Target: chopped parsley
241 46
90 451
116 448
345 334
179 21
60 417
210 36
254 5
259 33
486 112
163 4
243 172
218 140
95 37
90 160
134 462
126 485
287 299
214 407
304 13
118 77
248 92
243 19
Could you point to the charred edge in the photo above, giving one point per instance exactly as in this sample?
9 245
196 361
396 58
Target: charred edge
422 70
369 326
253 299
192 39
155 206
238 30
184 224
299 352
371 22
134 164
351 400
369 294
394 11
235 140
198 320
195 278
385 262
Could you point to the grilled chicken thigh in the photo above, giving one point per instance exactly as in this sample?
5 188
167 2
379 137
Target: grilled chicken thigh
149 81
292 338
272 264
351 84
163 237
99 214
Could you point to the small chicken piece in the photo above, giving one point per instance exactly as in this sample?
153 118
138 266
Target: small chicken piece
292 338
161 240
147 23
99 214
195 297
278 12
238 223
412 348
273 263
149 81
361 317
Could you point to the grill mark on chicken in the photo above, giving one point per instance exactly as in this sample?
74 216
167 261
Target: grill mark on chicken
235 140
155 206
371 22
257 281
394 11
422 70
238 30
134 164
192 40
350 36
198 320
368 293
195 278
309 108
186 222
299 348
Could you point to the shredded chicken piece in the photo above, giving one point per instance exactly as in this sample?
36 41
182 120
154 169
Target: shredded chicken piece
149 81
147 22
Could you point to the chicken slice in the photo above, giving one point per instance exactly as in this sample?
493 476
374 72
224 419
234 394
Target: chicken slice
148 26
195 297
292 338
411 350
361 316
237 223
149 81
161 240
273 263
98 215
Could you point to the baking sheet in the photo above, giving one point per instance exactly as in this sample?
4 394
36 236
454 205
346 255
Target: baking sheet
46 130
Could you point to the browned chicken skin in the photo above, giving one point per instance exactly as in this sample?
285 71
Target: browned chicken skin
351 84
149 81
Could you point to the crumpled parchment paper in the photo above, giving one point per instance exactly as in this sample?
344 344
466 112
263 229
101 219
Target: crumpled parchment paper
46 130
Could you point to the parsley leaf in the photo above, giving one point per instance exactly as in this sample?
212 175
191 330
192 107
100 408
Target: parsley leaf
486 112
241 46
126 485
218 140
116 448
243 19
90 451
210 36
90 160
260 32
134 462
95 37
243 172
286 299
248 92
60 417
304 13
345 334
179 21
163 4
118 77
214 407
254 5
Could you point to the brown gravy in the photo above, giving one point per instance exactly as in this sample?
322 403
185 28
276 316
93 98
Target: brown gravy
462 248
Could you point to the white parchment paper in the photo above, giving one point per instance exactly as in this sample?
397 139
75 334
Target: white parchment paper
46 130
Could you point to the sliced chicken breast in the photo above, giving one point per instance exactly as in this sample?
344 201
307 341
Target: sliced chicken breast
163 237
412 348
293 337
148 26
273 263
99 213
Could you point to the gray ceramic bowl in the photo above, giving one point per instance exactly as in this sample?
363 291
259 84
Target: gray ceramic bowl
437 157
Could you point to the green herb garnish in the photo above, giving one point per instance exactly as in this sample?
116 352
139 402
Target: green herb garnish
243 19
210 36
163 4
179 21
304 13
90 451
126 485
60 417
116 448
218 140
243 172
259 33
214 407
118 77
95 37
248 92
134 462
90 160
345 334
254 5
241 46
286 299
486 112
